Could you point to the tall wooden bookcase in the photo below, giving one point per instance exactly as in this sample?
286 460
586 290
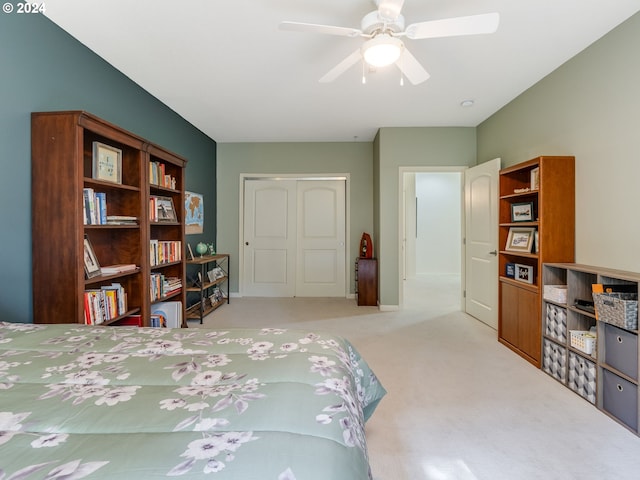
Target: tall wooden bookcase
62 165
537 202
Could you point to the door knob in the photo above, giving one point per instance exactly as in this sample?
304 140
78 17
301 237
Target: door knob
495 252
246 243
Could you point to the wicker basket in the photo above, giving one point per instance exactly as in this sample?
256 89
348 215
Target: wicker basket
620 309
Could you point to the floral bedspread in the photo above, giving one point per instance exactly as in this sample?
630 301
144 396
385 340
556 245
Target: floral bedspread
133 403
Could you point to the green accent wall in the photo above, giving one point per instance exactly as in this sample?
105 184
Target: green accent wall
588 108
234 159
42 68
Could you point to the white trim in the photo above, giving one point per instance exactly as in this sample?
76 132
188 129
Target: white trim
389 308
346 177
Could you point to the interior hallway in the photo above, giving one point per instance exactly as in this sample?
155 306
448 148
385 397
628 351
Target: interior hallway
460 406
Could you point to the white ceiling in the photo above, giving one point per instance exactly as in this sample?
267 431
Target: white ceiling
226 67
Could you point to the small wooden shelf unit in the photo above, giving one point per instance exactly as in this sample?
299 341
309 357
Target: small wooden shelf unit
366 276
206 301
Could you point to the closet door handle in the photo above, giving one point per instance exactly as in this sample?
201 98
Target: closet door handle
495 252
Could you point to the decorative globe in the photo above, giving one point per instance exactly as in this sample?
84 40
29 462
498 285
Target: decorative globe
202 248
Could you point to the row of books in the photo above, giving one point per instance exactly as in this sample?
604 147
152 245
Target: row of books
158 176
94 210
94 207
165 251
104 303
162 286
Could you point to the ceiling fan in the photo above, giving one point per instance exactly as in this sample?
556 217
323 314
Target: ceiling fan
383 28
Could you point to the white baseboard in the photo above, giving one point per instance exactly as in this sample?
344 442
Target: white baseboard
389 308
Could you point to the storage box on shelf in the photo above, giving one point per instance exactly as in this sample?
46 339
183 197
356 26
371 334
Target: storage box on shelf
90 192
603 358
536 225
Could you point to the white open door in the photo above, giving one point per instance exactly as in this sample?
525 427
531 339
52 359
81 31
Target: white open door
481 252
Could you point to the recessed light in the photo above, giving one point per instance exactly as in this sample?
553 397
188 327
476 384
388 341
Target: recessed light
467 103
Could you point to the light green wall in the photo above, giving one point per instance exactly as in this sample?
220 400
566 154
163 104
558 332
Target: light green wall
589 108
234 159
409 147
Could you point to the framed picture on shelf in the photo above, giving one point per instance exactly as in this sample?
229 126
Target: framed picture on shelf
524 273
535 178
165 210
522 212
520 239
91 265
510 270
107 163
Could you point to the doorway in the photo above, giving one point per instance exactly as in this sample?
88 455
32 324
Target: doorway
432 230
294 236
477 192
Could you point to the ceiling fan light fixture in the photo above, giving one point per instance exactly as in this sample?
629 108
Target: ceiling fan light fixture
382 50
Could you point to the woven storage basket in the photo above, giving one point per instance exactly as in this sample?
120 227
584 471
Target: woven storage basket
620 309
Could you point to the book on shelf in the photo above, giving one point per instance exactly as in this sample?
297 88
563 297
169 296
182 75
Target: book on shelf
169 314
162 286
165 251
121 220
130 320
158 176
104 303
119 268
157 321
94 207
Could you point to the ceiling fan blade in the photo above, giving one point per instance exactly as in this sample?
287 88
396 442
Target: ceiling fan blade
411 68
389 9
325 29
451 27
342 67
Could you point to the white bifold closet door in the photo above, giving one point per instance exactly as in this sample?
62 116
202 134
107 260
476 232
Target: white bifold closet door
294 238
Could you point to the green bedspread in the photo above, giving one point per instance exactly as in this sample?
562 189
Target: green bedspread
134 403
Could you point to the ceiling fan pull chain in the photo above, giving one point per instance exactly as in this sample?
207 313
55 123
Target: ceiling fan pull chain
364 78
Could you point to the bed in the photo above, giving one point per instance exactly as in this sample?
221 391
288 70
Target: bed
82 401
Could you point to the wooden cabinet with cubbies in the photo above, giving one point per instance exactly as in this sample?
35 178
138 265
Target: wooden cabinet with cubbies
536 225
603 369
